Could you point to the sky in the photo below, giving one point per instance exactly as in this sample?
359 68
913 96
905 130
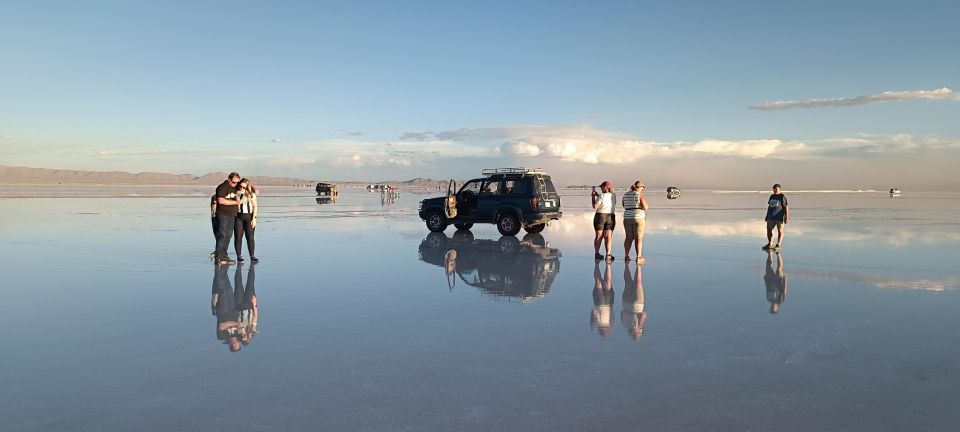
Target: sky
696 94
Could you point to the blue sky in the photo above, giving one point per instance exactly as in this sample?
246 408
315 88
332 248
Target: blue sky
393 90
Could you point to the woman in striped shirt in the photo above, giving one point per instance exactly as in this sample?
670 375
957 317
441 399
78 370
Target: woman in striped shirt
246 219
634 220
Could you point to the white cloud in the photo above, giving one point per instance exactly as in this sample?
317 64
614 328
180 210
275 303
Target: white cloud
942 93
589 145
751 149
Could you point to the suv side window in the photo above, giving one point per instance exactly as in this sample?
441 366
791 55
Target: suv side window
491 187
515 186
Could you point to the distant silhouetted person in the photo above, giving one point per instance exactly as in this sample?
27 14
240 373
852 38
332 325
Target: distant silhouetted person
778 215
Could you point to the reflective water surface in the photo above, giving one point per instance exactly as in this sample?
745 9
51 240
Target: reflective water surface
356 318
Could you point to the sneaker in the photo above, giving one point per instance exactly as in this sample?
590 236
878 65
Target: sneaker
240 258
767 246
597 256
775 248
611 257
254 259
627 258
226 261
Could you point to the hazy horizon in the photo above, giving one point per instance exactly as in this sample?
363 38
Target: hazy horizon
559 180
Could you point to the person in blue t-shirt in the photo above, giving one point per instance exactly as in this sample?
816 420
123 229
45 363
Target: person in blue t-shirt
778 215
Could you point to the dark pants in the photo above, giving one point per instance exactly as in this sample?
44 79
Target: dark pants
242 229
215 222
225 233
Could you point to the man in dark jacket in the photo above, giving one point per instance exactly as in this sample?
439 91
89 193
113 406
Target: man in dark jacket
227 207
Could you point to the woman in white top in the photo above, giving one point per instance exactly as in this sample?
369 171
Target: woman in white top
605 220
634 220
246 219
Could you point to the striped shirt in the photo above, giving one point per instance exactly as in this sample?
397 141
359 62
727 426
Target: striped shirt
631 206
247 207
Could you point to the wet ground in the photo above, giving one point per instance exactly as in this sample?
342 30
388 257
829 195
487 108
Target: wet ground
366 322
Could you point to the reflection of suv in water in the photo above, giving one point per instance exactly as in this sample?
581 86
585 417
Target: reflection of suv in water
505 268
511 198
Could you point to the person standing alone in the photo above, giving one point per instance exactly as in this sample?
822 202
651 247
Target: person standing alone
778 215
227 208
605 220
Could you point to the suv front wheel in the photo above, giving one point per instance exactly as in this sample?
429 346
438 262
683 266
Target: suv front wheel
508 225
436 221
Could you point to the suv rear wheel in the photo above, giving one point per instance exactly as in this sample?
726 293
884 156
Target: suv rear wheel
436 221
508 225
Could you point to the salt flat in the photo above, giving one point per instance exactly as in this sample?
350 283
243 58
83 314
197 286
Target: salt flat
368 323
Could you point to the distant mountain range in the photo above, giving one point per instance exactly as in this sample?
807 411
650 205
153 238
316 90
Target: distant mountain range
24 175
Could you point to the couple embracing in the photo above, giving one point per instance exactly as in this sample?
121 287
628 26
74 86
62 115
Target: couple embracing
234 211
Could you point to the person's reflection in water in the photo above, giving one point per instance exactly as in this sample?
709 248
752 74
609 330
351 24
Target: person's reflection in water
775 281
633 316
602 298
235 307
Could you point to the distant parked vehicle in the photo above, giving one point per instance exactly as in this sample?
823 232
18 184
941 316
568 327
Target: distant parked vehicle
673 192
511 198
327 189
895 192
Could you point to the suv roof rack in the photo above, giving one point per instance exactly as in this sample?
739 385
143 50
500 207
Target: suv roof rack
519 170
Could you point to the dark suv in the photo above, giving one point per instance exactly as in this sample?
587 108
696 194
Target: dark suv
511 198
